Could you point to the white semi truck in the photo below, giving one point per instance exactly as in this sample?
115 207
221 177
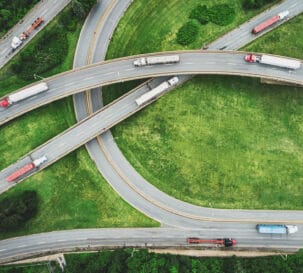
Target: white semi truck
23 94
157 60
155 92
276 229
273 60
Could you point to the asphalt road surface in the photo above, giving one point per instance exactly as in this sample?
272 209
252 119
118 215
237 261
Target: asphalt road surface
75 240
120 70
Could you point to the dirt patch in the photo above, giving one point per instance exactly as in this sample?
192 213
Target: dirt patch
213 253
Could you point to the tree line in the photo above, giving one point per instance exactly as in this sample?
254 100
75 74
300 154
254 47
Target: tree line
255 4
12 11
142 261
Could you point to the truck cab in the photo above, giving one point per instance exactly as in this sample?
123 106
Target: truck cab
140 62
16 42
250 58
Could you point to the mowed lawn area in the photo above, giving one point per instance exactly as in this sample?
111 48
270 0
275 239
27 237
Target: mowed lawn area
153 27
225 142
72 192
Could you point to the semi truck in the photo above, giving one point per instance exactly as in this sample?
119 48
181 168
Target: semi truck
144 61
273 60
17 41
24 94
271 21
157 91
227 242
276 229
26 168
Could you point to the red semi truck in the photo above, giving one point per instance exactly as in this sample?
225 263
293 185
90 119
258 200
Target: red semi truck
23 94
17 41
25 169
270 22
227 242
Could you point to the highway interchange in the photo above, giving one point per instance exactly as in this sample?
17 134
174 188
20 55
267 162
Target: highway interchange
166 218
191 62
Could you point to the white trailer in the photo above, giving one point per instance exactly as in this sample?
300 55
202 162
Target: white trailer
278 61
273 60
157 91
276 229
157 60
23 94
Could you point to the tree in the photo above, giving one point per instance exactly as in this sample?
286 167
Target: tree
82 7
188 32
221 14
17 209
201 14
78 9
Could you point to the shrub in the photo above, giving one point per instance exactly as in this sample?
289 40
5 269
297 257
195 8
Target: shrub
188 32
200 13
67 20
49 51
82 7
17 209
222 14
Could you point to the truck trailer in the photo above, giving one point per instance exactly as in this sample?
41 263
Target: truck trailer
17 41
155 92
168 59
24 94
273 60
227 242
26 168
271 21
276 229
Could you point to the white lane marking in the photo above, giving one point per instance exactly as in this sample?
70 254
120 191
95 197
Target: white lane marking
293 5
62 240
21 246
2 249
189 63
109 73
210 62
130 69
89 78
232 63
68 84
61 144
42 242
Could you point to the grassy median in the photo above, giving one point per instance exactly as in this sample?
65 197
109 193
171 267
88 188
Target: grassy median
223 142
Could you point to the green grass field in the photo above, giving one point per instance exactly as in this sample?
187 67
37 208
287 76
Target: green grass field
72 192
153 27
223 142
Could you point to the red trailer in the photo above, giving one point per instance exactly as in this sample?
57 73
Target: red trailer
270 22
20 172
227 242
26 168
33 26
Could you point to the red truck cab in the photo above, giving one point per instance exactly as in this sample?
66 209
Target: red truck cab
250 58
4 103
